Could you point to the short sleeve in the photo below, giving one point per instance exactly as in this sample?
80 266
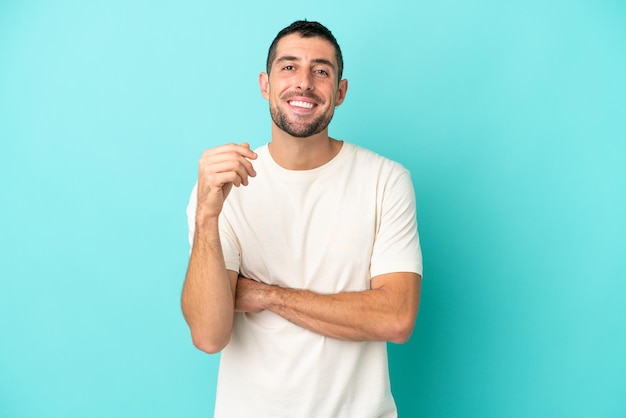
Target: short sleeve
191 214
397 246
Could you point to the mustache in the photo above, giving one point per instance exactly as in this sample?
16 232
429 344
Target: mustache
306 94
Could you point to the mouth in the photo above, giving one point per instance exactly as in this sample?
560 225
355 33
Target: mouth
301 104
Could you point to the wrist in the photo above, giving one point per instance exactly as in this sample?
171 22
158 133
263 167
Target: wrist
206 219
275 297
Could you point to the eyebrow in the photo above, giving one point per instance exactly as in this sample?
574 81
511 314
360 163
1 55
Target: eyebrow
315 60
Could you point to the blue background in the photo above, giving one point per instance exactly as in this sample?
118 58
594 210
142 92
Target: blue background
510 115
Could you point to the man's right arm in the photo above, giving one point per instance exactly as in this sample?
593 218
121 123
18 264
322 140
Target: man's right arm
209 290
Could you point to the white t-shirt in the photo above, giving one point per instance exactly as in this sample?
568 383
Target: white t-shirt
328 230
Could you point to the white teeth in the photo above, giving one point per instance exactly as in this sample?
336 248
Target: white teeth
302 104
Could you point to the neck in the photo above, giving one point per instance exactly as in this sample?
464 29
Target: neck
302 153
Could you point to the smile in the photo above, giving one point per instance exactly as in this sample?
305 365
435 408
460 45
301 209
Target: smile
304 105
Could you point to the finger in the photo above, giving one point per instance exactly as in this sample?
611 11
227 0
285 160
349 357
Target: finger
246 145
227 162
242 149
229 151
224 163
218 174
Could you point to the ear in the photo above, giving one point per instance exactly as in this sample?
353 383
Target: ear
264 84
342 89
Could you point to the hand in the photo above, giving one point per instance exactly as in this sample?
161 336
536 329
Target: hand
249 295
218 170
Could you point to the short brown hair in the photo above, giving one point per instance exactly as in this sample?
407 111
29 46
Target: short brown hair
306 29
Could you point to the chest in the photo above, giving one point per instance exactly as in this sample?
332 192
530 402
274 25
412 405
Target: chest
317 235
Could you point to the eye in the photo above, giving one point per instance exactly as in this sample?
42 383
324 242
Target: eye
321 72
288 68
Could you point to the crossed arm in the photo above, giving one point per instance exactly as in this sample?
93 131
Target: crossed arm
386 312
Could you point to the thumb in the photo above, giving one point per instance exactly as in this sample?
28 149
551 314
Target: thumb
226 189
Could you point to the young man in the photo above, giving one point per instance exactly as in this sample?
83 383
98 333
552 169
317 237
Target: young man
302 275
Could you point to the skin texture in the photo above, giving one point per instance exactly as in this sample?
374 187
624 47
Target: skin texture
209 289
303 91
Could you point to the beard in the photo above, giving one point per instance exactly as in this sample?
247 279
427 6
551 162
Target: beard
299 129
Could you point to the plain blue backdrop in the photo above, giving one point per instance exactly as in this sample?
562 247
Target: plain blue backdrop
510 116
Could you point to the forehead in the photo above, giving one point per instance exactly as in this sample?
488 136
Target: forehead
312 48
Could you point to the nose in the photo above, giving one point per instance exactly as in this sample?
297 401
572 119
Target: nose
305 80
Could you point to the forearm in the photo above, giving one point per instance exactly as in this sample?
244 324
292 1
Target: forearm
384 313
208 293
208 298
358 316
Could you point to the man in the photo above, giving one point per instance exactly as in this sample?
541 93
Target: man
302 276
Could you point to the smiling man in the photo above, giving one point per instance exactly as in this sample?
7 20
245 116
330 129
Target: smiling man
300 277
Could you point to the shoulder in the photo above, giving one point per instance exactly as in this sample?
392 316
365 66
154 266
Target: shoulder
375 162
